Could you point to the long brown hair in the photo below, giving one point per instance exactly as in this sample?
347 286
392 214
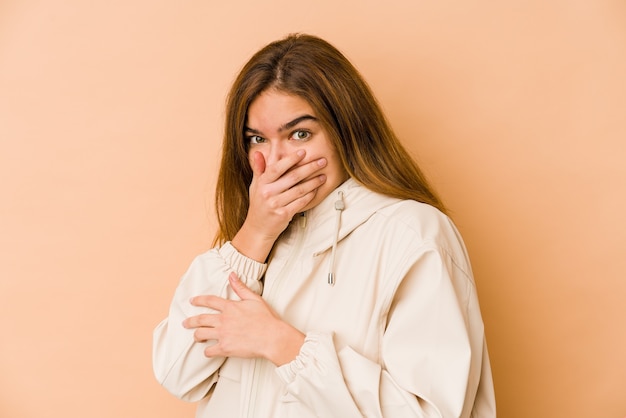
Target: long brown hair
311 68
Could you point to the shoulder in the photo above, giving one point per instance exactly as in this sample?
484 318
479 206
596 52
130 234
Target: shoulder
421 227
422 219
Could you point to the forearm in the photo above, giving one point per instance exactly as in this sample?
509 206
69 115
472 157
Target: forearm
179 364
253 244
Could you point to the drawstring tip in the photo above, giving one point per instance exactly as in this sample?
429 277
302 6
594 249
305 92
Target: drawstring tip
339 207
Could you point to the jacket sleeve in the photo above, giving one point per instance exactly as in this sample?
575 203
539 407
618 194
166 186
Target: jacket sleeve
431 354
179 362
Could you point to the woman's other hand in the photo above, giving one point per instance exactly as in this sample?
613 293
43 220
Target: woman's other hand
247 328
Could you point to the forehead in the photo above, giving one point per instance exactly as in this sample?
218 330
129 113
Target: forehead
273 107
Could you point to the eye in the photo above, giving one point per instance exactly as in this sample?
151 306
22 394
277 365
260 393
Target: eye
255 139
301 135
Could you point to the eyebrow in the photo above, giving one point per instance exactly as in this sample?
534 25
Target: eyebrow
287 125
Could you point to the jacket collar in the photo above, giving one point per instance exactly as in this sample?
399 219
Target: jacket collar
360 204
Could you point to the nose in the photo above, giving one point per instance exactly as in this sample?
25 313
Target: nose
275 152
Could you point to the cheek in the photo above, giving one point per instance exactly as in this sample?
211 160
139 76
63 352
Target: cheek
334 163
338 174
316 152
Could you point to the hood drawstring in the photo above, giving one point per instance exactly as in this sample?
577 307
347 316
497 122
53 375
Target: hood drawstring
339 207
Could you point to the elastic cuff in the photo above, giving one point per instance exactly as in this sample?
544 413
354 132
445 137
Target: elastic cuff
308 358
247 268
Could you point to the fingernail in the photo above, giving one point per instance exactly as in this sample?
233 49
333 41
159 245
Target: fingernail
321 162
300 152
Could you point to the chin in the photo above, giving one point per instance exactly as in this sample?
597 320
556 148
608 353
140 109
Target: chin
311 205
321 194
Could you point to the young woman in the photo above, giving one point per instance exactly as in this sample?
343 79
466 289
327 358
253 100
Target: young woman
338 287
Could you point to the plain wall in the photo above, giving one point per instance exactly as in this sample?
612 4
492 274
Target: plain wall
110 127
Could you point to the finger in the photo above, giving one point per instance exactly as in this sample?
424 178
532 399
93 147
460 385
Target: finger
306 170
300 203
203 334
204 320
215 350
299 174
209 301
302 192
276 170
240 288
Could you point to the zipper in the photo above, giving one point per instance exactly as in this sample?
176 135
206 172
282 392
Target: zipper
260 368
297 247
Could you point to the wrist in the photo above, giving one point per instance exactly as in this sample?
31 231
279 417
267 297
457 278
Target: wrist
252 244
286 346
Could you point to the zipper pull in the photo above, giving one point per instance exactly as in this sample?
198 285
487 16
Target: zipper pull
303 220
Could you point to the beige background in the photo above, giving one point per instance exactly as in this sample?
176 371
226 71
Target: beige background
110 123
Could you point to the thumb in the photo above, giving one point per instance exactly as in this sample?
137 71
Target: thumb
240 288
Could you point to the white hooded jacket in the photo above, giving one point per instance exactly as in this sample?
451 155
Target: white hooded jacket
399 333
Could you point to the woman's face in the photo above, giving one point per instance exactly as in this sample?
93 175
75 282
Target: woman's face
279 124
